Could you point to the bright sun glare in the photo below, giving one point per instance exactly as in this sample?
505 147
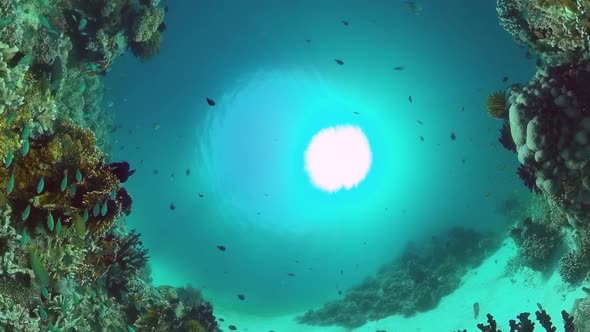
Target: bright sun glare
338 157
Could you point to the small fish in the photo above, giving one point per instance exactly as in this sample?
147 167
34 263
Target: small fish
8 159
58 226
308 41
341 272
420 122
476 310
129 327
210 101
25 148
399 68
291 274
356 113
187 172
339 292
73 190
453 137
221 319
78 175
40 185
82 87
171 176
82 24
172 207
85 215
220 247
103 209
96 209
410 98
50 222
26 212
156 126
539 306
241 297
24 238
43 314
26 132
155 172
232 327
504 79
201 195
346 23
421 138
10 185
111 104
340 62
462 108
64 182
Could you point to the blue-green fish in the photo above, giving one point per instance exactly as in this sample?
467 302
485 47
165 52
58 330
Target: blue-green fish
5 21
11 118
9 158
24 238
96 209
92 293
45 22
113 193
85 217
78 176
130 329
43 314
103 209
26 212
10 184
58 226
50 222
82 24
26 59
40 185
45 292
64 182
26 132
73 190
82 87
25 148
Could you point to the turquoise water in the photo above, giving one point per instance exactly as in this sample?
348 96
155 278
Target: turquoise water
273 92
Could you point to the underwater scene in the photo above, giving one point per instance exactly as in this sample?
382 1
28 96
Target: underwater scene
295 166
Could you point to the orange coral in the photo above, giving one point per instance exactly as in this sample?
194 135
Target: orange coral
496 105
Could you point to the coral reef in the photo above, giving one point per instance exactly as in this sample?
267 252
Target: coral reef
555 30
496 105
537 243
67 261
415 282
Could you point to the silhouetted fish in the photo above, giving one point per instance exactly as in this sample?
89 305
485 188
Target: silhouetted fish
187 172
155 172
172 207
341 272
201 195
291 274
211 102
345 23
399 68
410 98
356 112
232 328
421 138
419 122
308 41
241 297
339 292
220 247
221 319
453 137
340 62
504 79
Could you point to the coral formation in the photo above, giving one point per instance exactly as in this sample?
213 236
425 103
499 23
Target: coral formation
415 282
537 243
525 324
496 105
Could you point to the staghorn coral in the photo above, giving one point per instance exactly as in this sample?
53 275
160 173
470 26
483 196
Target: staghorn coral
496 105
537 243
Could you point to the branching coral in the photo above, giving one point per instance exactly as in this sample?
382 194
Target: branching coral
524 323
537 243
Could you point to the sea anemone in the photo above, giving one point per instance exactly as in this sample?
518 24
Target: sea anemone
506 137
527 175
496 105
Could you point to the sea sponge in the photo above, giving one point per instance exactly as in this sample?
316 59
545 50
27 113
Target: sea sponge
496 105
